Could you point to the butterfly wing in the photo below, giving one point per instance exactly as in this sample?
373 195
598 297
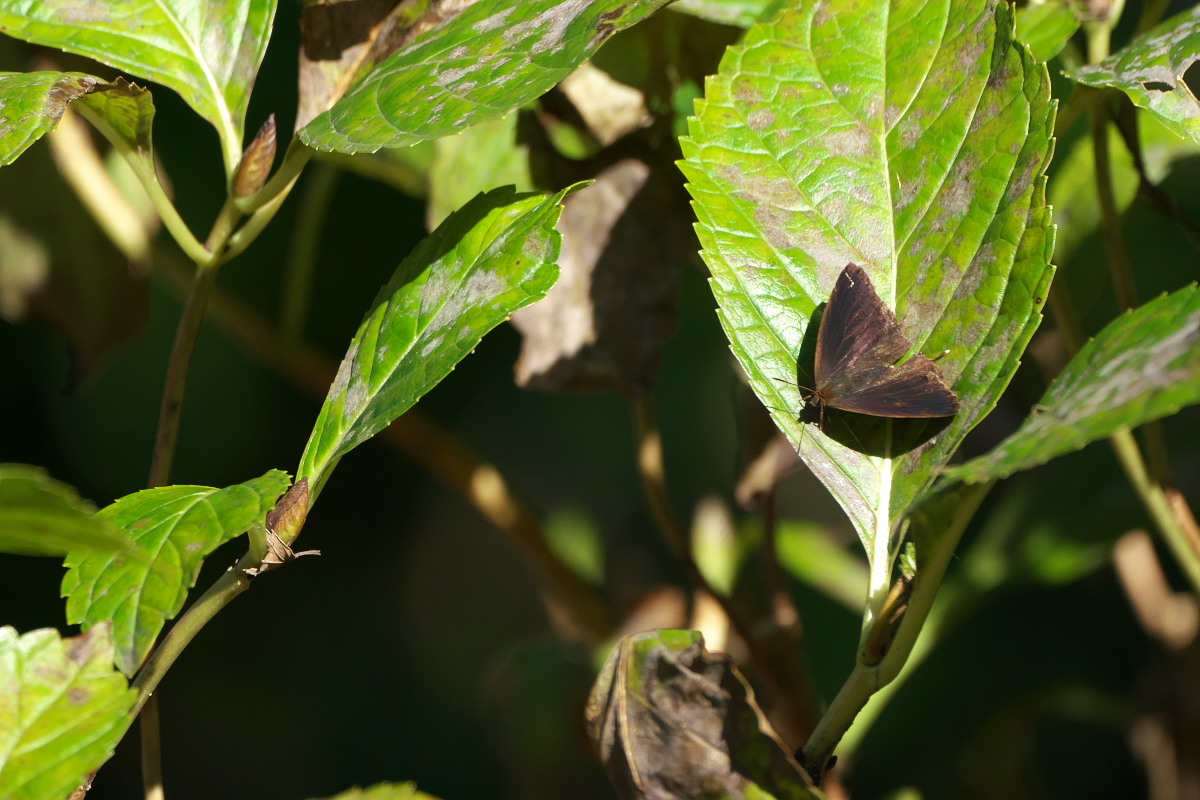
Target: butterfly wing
858 344
914 389
858 331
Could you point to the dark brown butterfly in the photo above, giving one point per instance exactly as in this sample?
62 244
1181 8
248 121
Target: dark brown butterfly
858 344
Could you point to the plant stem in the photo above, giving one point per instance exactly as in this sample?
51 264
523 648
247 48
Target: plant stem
143 167
1158 505
152 779
171 409
1111 222
232 583
865 680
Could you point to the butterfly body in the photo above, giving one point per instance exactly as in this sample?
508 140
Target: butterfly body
858 345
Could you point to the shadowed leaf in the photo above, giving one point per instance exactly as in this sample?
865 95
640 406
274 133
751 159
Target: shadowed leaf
40 516
384 791
604 323
670 719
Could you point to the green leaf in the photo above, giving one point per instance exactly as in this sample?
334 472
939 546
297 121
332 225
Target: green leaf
207 52
1150 70
176 527
1046 27
63 708
484 262
40 516
384 791
741 13
479 66
910 138
1144 365
32 103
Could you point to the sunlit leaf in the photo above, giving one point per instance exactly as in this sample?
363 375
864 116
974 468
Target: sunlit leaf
384 791
32 103
482 64
912 139
208 52
63 708
1150 71
487 260
1144 365
176 527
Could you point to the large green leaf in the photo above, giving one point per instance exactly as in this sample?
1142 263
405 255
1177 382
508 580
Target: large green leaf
1150 70
910 138
32 103
176 527
487 61
40 516
484 262
1142 366
209 52
62 710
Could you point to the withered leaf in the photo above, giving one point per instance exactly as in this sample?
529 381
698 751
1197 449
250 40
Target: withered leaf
671 720
604 322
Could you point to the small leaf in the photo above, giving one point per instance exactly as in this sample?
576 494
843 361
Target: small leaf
913 141
207 52
1144 365
742 13
63 709
32 103
479 66
1150 70
40 516
490 258
176 527
1046 27
384 791
670 719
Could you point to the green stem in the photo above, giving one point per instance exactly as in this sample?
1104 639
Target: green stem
259 219
152 779
865 680
143 167
175 386
220 594
306 242
1155 500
